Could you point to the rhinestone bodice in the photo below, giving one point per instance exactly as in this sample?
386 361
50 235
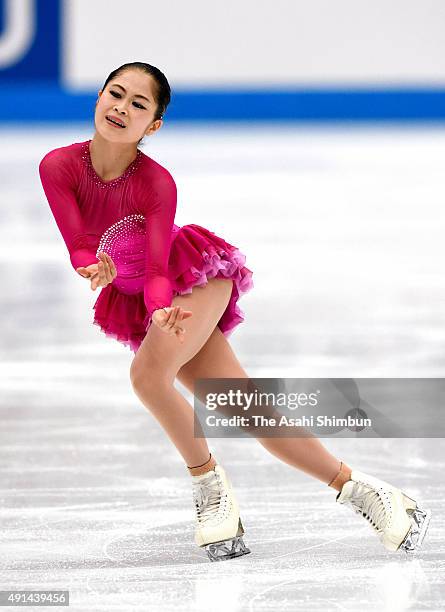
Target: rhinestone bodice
90 211
86 157
125 243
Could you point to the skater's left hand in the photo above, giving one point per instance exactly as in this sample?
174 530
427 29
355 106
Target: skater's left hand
100 274
169 320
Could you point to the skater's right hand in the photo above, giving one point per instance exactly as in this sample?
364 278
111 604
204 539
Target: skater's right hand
169 320
100 274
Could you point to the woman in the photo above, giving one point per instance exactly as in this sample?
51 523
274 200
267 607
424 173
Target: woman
170 293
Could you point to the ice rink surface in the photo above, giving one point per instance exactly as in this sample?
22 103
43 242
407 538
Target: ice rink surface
344 231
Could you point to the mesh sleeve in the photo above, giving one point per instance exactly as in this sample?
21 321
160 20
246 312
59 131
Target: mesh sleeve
58 187
160 217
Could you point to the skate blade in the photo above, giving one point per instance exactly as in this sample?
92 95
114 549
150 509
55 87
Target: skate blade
415 536
240 531
227 549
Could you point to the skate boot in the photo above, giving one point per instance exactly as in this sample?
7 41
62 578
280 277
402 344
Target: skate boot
218 528
397 519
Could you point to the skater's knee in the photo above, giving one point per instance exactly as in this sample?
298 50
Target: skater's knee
148 375
150 387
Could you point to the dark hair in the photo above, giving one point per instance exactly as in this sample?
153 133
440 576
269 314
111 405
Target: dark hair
162 90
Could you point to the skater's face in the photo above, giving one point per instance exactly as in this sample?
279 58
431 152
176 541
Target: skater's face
129 98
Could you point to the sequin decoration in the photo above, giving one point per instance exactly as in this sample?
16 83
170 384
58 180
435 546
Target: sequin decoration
124 242
86 157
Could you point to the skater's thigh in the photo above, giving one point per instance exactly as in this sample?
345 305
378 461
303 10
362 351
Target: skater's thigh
163 351
215 359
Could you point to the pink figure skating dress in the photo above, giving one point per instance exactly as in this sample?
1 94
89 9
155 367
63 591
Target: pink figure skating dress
131 218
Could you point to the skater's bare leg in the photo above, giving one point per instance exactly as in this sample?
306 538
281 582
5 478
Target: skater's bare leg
216 359
160 357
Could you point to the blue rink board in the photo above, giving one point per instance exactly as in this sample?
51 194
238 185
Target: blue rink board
37 102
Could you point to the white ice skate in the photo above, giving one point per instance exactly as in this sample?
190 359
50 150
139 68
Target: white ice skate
397 519
218 527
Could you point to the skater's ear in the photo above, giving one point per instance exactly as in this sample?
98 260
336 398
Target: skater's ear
154 127
99 93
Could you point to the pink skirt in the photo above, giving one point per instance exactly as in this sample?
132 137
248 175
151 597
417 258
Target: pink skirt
196 255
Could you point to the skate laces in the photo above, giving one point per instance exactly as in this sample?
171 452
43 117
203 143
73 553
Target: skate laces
207 497
368 502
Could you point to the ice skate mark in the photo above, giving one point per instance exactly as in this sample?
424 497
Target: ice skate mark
306 548
99 578
44 522
339 540
48 520
126 479
143 552
329 603
140 552
134 555
125 533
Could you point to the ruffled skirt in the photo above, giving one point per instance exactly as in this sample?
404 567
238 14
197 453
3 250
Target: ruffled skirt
196 255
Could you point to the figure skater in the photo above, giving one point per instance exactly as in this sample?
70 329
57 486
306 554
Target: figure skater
170 294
